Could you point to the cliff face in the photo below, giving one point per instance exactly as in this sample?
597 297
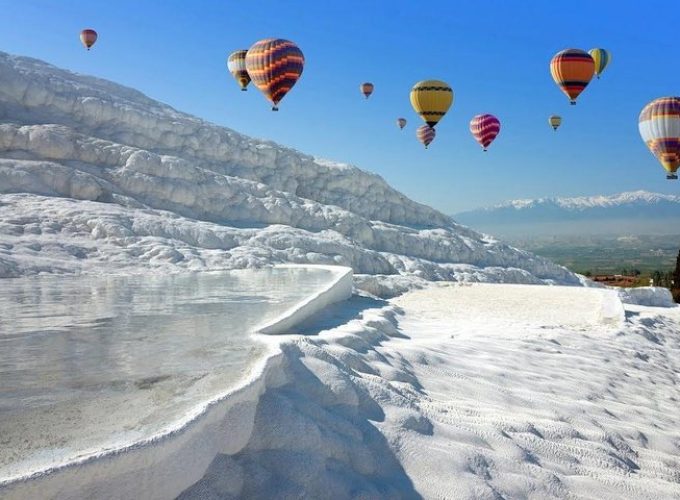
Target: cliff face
98 178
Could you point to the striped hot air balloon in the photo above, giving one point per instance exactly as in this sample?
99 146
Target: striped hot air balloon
236 64
659 126
88 37
425 134
555 121
601 58
431 99
401 122
366 89
572 70
274 65
484 129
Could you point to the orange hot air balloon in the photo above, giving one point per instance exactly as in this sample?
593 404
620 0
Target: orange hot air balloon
88 37
572 70
366 89
274 65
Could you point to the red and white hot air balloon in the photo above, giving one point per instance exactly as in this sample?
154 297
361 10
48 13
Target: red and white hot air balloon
425 134
484 129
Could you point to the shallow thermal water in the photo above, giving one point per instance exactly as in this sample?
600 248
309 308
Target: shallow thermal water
93 363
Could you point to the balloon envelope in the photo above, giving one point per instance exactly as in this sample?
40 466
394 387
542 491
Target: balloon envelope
366 89
425 134
555 121
659 126
236 64
484 129
274 65
601 58
88 37
572 70
431 99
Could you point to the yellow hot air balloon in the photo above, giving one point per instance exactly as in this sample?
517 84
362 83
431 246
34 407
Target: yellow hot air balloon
602 58
431 99
555 121
236 64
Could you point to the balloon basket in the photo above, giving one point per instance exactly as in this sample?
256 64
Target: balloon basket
274 108
672 177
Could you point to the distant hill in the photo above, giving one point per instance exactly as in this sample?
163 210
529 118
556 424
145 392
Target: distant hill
631 213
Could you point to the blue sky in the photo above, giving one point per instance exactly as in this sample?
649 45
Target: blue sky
495 54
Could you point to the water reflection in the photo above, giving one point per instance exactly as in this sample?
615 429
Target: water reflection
97 358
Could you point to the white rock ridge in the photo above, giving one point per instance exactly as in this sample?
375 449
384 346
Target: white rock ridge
100 178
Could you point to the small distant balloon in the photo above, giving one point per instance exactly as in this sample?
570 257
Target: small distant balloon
401 122
572 70
425 134
274 65
659 125
602 58
484 129
431 99
555 121
236 64
88 37
366 89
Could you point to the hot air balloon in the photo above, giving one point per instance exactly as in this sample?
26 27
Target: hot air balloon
274 65
236 64
659 126
366 89
425 134
555 121
401 122
602 58
484 129
88 37
431 99
572 70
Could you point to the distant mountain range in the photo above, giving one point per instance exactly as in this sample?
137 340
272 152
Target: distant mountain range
636 212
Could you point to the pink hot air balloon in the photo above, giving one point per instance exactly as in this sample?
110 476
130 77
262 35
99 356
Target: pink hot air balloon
485 128
425 134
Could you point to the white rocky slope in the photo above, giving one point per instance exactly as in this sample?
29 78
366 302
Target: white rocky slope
559 393
99 178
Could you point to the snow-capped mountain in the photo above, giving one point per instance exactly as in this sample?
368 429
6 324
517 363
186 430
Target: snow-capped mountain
631 212
97 177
